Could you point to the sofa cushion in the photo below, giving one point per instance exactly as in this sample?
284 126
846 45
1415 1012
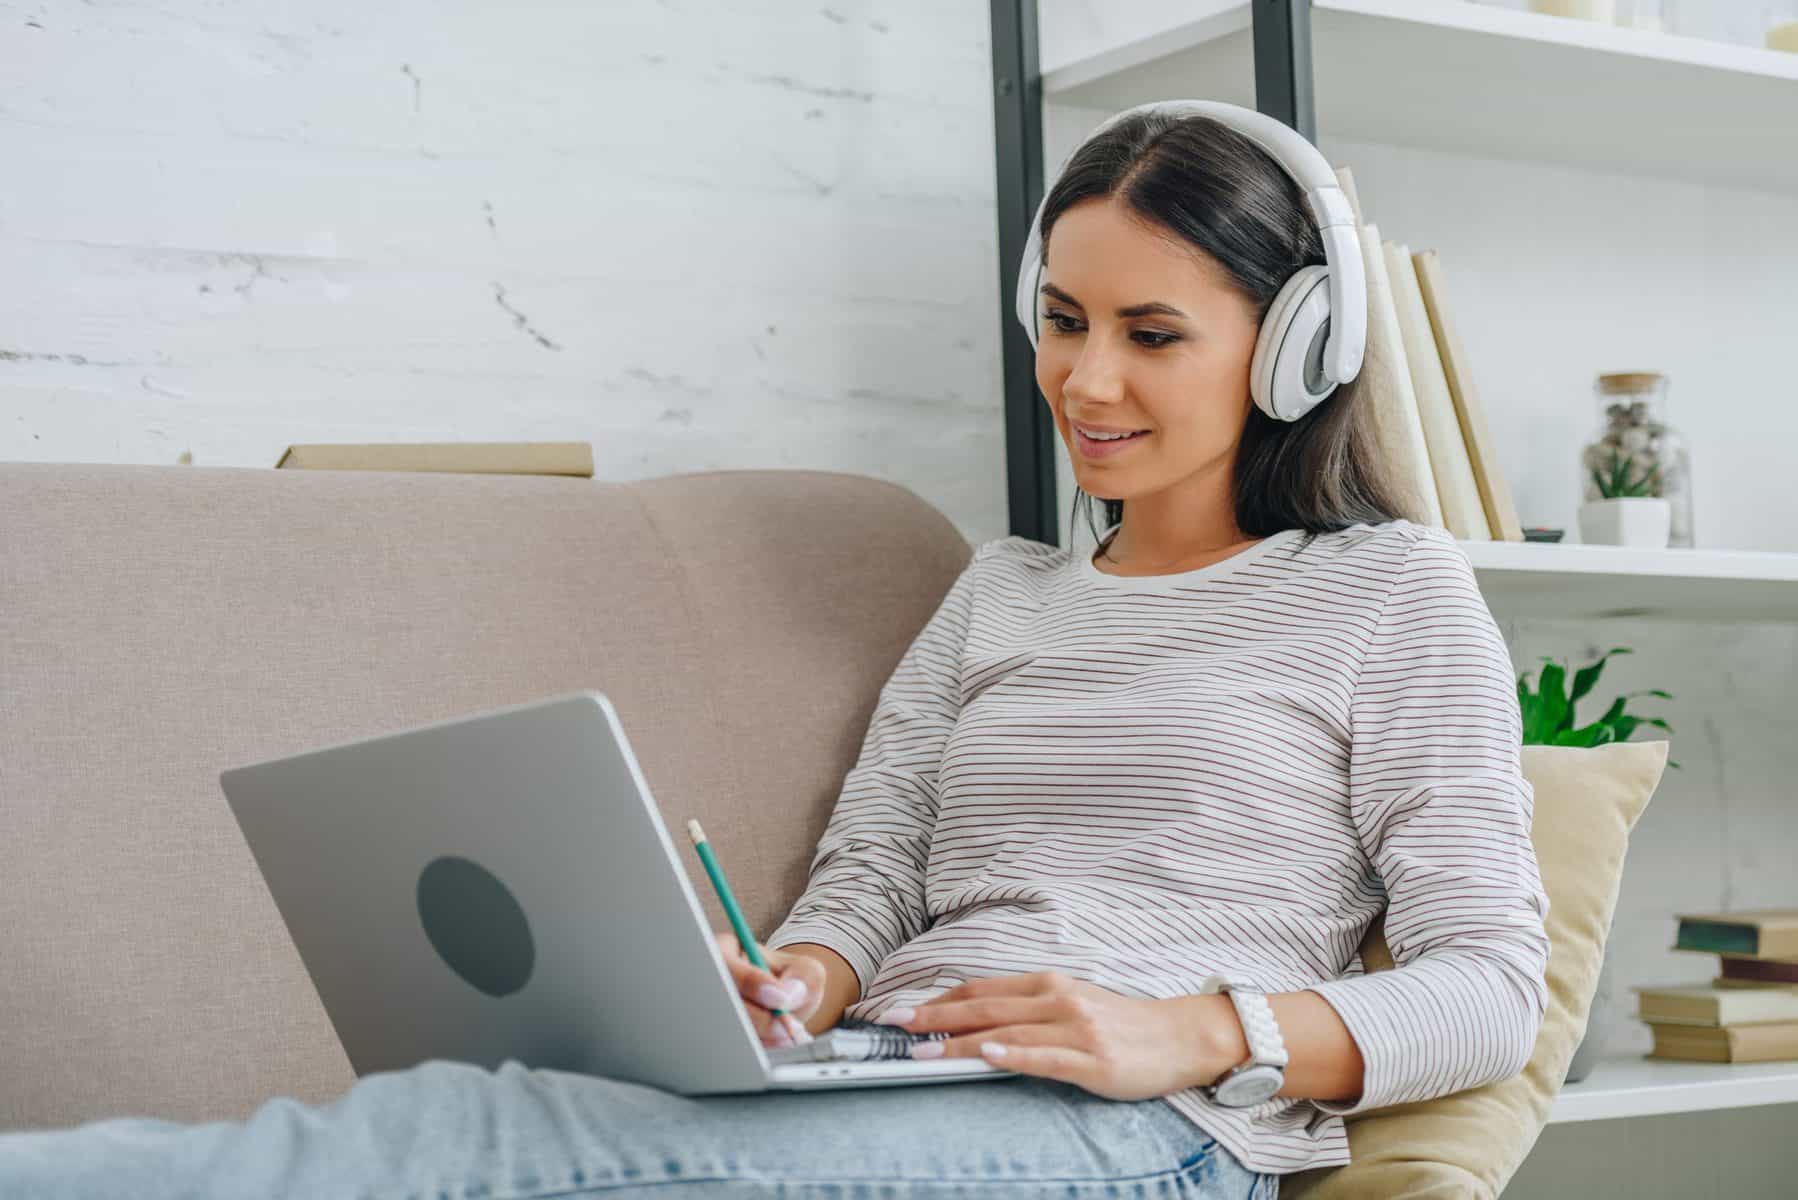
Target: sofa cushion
1470 1143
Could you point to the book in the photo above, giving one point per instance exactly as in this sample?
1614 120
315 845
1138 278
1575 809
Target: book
853 1040
478 458
1757 970
1751 933
1696 1004
1385 383
1463 514
1726 1043
1345 179
1722 981
1495 493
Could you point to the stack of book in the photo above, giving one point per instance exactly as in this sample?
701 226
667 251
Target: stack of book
1749 1011
1426 412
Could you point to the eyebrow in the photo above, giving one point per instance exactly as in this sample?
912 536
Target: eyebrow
1151 309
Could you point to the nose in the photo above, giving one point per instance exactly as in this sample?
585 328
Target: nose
1097 376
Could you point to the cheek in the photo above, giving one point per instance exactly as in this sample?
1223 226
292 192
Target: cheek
1051 373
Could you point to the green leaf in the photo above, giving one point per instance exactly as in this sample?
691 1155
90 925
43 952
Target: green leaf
1554 713
1652 692
1585 677
1594 734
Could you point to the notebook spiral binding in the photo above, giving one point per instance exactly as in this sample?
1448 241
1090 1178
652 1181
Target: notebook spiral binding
855 1041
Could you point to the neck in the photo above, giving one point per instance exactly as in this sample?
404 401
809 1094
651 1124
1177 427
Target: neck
1153 537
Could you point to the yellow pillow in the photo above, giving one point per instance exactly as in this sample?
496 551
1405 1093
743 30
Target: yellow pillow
1470 1143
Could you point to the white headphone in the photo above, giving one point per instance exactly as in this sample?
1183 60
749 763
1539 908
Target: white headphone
1293 369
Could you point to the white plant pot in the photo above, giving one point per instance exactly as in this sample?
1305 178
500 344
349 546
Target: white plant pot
1628 521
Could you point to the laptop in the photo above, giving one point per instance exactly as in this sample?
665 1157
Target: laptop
502 886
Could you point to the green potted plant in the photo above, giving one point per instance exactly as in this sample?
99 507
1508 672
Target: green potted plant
1548 720
1548 717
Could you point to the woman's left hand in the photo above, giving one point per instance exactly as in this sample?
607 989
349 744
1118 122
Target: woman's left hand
1051 1025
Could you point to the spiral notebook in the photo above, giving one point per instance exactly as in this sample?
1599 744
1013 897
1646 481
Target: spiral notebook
854 1041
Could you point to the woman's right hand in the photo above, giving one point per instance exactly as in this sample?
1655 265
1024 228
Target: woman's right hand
794 982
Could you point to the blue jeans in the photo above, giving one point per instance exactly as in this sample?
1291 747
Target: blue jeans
448 1131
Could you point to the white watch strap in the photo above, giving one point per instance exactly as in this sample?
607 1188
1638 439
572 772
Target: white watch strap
1259 1028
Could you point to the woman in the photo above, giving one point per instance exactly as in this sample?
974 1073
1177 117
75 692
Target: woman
1093 788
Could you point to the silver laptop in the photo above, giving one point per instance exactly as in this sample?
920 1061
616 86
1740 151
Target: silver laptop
502 886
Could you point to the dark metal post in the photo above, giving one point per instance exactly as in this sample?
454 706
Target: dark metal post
1282 35
1018 160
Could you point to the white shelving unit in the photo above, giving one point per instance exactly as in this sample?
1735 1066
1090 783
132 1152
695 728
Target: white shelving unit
1451 75
1634 1086
1466 78
1555 580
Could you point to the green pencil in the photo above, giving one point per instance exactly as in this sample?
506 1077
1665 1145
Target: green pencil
737 923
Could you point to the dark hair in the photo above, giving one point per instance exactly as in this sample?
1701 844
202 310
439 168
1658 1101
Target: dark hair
1221 192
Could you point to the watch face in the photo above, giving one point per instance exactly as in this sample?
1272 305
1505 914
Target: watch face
1250 1087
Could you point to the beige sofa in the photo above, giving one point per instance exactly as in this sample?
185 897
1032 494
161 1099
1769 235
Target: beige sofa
158 624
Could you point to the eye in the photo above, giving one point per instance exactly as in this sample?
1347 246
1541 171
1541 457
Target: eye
1147 338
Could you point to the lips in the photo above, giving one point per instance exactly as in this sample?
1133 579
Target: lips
1092 448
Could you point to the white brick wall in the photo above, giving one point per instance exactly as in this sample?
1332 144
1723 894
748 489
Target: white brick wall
698 235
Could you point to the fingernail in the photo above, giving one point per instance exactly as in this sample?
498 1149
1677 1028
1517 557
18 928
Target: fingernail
770 996
779 1035
927 1050
896 1016
992 1049
800 1034
795 992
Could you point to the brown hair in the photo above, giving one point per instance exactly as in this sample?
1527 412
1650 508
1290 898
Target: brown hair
1217 189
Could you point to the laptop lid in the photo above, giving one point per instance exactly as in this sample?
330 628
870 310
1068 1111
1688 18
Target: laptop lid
498 886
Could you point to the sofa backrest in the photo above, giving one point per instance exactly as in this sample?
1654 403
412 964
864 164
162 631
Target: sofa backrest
159 624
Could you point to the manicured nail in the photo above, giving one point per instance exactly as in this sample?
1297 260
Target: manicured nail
896 1016
800 1034
795 992
770 996
927 1050
779 1035
992 1049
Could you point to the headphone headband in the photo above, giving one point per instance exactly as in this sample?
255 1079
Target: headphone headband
1347 338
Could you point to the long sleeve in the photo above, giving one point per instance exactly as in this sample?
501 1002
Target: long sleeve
1443 813
865 896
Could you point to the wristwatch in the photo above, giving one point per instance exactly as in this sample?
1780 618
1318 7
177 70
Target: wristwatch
1264 1071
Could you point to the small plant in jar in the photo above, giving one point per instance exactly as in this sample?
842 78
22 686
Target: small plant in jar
1625 461
1634 472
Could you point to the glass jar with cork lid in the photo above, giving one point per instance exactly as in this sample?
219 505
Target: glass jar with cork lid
1635 459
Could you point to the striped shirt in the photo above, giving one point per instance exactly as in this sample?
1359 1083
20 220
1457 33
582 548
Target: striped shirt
1138 781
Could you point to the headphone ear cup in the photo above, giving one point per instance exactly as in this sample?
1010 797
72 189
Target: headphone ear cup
1285 376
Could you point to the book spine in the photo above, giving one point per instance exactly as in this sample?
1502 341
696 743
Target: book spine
1385 383
1456 487
1759 970
1495 492
1716 937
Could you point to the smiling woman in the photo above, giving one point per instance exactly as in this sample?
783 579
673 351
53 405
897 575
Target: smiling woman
1167 240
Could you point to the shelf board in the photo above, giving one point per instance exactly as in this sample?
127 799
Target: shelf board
1636 1086
1557 580
1475 79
